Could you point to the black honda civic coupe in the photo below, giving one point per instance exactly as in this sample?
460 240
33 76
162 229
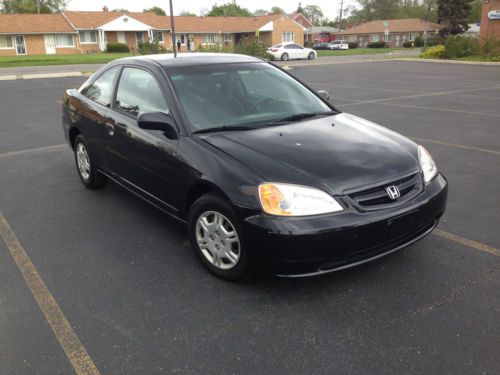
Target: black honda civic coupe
264 171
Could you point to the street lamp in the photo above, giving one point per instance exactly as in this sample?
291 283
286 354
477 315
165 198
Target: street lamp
172 26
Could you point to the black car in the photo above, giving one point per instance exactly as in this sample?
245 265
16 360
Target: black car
322 46
266 173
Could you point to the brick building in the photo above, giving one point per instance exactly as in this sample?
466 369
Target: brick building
394 32
490 20
82 32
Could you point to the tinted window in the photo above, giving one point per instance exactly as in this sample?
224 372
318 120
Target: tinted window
138 92
101 90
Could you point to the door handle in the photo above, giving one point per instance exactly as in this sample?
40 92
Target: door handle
110 128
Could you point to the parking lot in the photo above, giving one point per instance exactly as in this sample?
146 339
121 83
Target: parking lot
122 293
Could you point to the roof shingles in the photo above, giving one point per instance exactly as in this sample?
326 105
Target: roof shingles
34 23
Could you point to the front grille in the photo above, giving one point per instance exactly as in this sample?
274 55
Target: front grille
376 198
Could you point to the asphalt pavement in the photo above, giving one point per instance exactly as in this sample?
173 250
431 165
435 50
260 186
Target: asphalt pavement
129 288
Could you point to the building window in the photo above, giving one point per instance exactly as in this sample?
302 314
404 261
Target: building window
374 38
87 37
6 41
208 38
157 36
288 36
64 40
228 37
352 38
412 36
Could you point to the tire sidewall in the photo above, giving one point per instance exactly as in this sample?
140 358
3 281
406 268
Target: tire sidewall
212 202
311 56
285 57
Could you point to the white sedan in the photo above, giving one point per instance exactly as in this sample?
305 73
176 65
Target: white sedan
290 51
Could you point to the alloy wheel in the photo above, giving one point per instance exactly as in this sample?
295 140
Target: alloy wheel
218 240
83 161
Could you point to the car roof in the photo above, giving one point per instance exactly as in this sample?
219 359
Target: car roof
167 60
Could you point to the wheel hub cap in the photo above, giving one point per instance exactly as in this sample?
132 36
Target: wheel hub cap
83 161
218 240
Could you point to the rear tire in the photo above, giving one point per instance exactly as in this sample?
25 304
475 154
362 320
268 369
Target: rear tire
87 172
311 56
285 57
216 238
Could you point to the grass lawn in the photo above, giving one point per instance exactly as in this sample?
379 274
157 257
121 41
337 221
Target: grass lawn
37 60
357 51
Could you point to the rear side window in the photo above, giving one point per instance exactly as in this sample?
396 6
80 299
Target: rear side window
138 92
101 91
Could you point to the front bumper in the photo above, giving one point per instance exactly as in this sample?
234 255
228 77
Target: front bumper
304 246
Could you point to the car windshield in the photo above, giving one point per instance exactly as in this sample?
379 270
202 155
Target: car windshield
257 94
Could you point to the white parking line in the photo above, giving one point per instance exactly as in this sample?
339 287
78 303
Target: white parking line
426 94
456 145
34 150
435 109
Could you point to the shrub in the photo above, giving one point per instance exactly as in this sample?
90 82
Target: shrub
380 44
457 46
419 41
353 45
216 48
491 47
117 47
433 52
151 48
308 44
253 47
432 41
408 44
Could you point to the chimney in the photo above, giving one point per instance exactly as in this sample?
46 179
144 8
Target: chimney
105 9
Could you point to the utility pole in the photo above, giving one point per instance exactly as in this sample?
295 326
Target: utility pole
341 10
38 6
172 26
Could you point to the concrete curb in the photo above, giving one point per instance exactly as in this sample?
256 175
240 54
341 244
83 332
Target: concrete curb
436 61
43 75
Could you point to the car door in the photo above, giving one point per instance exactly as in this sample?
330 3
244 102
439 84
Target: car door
291 49
145 160
91 108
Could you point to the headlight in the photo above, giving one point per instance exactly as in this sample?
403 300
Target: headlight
427 164
294 200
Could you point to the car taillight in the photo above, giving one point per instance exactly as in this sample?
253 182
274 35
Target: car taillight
274 49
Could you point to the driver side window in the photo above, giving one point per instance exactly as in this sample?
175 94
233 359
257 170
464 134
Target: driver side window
138 92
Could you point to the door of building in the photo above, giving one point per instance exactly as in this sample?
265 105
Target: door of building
121 37
20 46
50 44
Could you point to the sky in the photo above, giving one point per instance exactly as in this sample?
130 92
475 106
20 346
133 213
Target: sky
329 7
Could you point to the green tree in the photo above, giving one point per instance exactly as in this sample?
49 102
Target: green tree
260 12
300 9
454 14
229 10
277 10
33 6
156 10
313 13
186 13
475 11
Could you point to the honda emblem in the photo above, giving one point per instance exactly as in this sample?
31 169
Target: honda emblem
393 192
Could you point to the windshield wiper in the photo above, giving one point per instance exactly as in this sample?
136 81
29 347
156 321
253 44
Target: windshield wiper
303 116
223 128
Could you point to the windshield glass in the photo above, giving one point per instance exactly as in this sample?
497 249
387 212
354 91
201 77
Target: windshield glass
228 95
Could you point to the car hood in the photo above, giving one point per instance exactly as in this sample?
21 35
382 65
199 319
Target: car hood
334 153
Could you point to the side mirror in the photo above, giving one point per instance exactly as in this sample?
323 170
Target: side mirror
158 121
324 94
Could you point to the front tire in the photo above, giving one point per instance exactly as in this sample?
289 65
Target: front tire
88 173
311 56
216 238
285 57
